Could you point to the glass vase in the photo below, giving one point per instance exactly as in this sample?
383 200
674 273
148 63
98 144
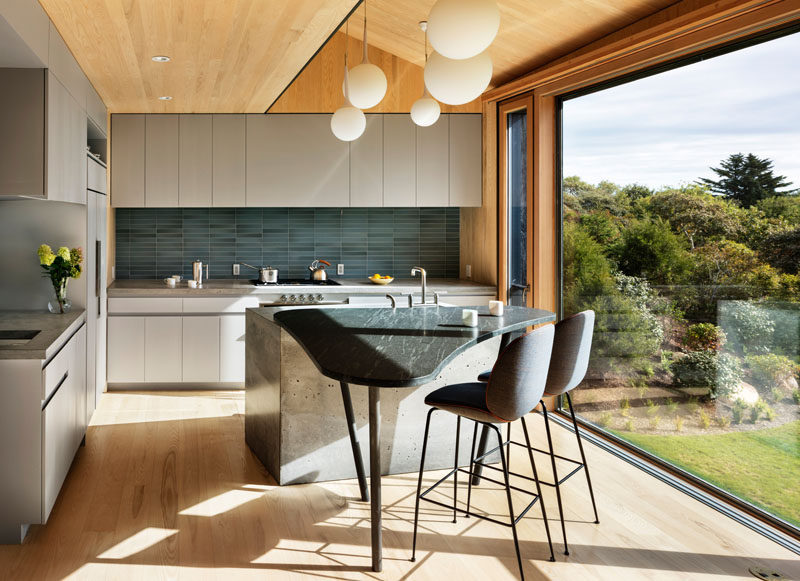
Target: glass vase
60 304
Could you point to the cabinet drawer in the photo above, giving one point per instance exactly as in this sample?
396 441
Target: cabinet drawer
219 304
151 305
95 176
61 435
57 369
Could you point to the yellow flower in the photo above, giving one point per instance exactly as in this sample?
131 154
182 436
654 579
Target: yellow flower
63 253
46 256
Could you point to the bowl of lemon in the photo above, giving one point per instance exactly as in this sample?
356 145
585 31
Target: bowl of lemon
381 279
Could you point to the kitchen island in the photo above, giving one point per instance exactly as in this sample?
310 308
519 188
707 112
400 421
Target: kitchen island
388 350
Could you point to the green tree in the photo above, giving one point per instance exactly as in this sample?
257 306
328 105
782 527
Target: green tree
650 250
782 250
783 207
747 179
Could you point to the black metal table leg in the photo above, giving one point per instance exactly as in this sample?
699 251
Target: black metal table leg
354 443
476 478
375 475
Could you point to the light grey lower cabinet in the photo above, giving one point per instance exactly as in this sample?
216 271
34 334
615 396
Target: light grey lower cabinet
126 337
42 422
163 339
201 349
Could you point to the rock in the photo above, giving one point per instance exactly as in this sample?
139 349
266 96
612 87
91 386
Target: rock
745 392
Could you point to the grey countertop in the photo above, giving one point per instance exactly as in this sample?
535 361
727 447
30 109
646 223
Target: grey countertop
240 287
392 347
54 330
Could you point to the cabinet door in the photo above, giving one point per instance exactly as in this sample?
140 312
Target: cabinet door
433 163
303 163
163 337
66 68
95 108
195 165
201 349
76 153
125 349
229 155
399 161
127 160
161 139
231 348
466 146
58 138
23 149
366 165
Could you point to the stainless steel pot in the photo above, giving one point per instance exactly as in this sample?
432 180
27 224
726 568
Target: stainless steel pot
317 269
266 274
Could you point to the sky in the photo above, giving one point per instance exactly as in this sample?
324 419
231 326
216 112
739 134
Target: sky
668 129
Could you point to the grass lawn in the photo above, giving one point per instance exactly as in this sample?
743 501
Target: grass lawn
761 467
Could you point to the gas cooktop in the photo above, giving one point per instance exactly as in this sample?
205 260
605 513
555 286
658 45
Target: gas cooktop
297 282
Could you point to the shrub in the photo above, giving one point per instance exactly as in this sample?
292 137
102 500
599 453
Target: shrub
770 371
776 394
723 421
769 413
755 412
625 406
672 406
739 408
642 390
629 425
721 373
652 251
652 407
748 326
782 250
604 420
705 419
704 337
654 422
796 396
679 423
645 300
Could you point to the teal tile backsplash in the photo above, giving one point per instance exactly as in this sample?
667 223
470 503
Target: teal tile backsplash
158 242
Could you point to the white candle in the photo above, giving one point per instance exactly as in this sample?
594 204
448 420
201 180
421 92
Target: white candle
496 308
469 317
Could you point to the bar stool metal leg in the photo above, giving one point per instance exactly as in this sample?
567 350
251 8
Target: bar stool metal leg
555 476
583 457
508 496
419 484
455 468
471 466
354 443
538 488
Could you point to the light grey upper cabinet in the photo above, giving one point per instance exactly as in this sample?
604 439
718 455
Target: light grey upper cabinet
127 160
30 22
195 163
229 147
258 178
66 141
66 68
366 165
433 163
95 108
22 121
161 144
301 163
466 147
399 161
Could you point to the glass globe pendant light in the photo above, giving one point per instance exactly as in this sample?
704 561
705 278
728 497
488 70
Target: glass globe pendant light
462 29
425 111
457 82
348 122
367 81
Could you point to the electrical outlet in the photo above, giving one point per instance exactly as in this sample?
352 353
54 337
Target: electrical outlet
340 269
236 269
469 271
113 272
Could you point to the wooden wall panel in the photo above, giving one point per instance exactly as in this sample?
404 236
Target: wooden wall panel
318 89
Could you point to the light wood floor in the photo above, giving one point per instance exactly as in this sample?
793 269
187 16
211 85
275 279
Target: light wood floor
167 489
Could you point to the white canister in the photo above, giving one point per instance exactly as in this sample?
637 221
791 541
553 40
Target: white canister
469 317
496 308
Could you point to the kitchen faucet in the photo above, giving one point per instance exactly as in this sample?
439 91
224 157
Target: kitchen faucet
419 269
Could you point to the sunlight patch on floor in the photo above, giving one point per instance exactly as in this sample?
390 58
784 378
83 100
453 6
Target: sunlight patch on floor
142 540
222 503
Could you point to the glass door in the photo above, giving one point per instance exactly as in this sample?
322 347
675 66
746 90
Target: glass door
515 201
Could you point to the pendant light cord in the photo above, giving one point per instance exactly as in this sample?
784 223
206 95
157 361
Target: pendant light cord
364 40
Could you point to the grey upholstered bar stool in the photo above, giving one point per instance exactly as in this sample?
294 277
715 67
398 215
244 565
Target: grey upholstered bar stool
516 386
571 347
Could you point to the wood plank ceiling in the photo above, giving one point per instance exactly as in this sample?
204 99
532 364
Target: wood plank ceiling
239 55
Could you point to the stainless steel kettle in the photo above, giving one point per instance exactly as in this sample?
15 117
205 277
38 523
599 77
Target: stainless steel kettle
197 272
317 269
266 274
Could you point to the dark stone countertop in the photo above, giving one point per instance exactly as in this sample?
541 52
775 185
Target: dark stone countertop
394 348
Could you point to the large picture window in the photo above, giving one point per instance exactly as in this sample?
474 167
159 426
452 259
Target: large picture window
681 230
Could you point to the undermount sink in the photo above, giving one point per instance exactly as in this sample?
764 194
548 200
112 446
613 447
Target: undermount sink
12 338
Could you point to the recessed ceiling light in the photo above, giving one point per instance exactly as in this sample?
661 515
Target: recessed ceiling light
161 59
165 98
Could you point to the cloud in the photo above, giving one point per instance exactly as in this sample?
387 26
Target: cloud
670 128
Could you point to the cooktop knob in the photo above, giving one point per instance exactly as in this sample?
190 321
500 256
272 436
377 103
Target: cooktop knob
292 298
282 299
319 297
301 299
